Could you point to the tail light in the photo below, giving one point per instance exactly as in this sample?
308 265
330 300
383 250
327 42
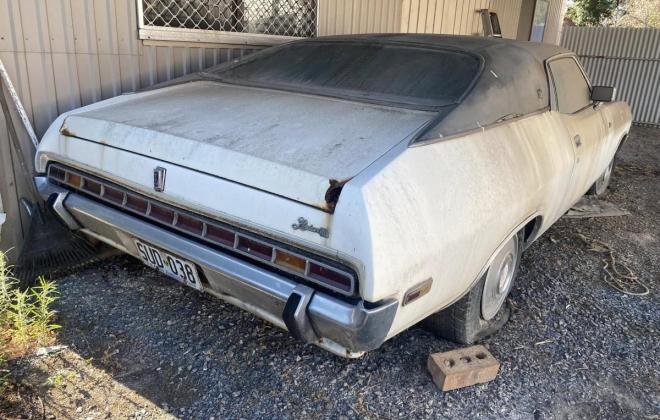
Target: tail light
331 277
91 186
114 195
220 236
162 214
252 247
58 173
190 224
290 261
73 179
137 204
329 274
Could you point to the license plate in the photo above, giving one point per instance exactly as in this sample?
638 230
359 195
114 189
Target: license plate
168 264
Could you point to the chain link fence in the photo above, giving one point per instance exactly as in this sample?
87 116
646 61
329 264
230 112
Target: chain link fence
295 18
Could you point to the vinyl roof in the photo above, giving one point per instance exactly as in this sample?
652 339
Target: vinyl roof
474 44
512 83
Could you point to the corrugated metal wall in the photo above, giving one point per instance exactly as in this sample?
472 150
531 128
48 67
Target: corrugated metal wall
554 21
62 54
628 58
461 17
359 16
443 16
508 12
458 17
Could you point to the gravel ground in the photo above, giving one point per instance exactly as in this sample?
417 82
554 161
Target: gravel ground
574 347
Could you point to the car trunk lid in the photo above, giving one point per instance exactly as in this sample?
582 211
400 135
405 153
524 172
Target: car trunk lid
298 146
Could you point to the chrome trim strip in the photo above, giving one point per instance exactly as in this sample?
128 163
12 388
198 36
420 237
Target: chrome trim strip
485 127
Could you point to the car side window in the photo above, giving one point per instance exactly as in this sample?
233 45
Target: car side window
571 88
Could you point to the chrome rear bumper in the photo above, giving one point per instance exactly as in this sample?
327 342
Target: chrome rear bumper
315 317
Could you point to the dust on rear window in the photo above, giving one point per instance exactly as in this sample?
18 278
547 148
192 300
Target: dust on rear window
404 75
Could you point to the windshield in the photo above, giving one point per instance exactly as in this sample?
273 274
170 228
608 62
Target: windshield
406 75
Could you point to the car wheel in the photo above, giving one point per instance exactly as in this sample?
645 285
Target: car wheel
483 310
600 186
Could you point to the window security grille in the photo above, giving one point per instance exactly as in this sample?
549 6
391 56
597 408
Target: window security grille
292 18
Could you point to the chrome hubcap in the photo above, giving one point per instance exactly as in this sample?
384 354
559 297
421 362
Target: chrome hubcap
605 179
499 279
608 174
506 275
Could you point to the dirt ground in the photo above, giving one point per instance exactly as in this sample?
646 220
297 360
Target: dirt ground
142 346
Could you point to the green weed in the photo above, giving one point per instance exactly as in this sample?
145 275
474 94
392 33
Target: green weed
7 284
26 316
26 321
4 374
57 380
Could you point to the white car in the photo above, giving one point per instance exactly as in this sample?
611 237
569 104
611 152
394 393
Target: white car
343 188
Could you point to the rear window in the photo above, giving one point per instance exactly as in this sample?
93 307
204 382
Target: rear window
404 75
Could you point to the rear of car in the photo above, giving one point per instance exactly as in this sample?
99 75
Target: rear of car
238 181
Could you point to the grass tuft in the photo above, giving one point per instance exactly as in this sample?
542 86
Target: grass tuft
60 378
26 316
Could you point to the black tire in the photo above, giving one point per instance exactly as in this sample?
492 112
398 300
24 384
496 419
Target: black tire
463 322
599 188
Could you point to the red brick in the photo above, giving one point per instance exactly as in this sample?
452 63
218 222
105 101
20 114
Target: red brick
463 367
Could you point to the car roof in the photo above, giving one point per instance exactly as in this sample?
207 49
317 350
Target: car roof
512 81
473 44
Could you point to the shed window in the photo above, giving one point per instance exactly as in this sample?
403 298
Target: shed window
197 20
572 90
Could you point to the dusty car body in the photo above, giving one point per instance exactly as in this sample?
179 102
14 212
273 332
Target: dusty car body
343 208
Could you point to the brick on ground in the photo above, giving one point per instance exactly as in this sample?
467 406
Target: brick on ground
462 367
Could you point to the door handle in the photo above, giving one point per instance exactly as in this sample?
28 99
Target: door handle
578 140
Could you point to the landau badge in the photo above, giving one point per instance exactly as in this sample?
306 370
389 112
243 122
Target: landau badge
303 224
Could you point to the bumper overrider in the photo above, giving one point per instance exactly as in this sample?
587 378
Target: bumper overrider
347 328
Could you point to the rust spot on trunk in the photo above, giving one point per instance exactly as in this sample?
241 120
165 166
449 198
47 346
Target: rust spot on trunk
64 130
333 192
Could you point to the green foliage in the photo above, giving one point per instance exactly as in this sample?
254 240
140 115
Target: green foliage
637 14
26 316
58 379
26 319
591 12
42 314
7 284
4 373
17 315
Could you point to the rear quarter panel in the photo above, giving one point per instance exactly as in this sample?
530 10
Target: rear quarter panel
441 209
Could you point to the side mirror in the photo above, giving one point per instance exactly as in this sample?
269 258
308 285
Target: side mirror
603 93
